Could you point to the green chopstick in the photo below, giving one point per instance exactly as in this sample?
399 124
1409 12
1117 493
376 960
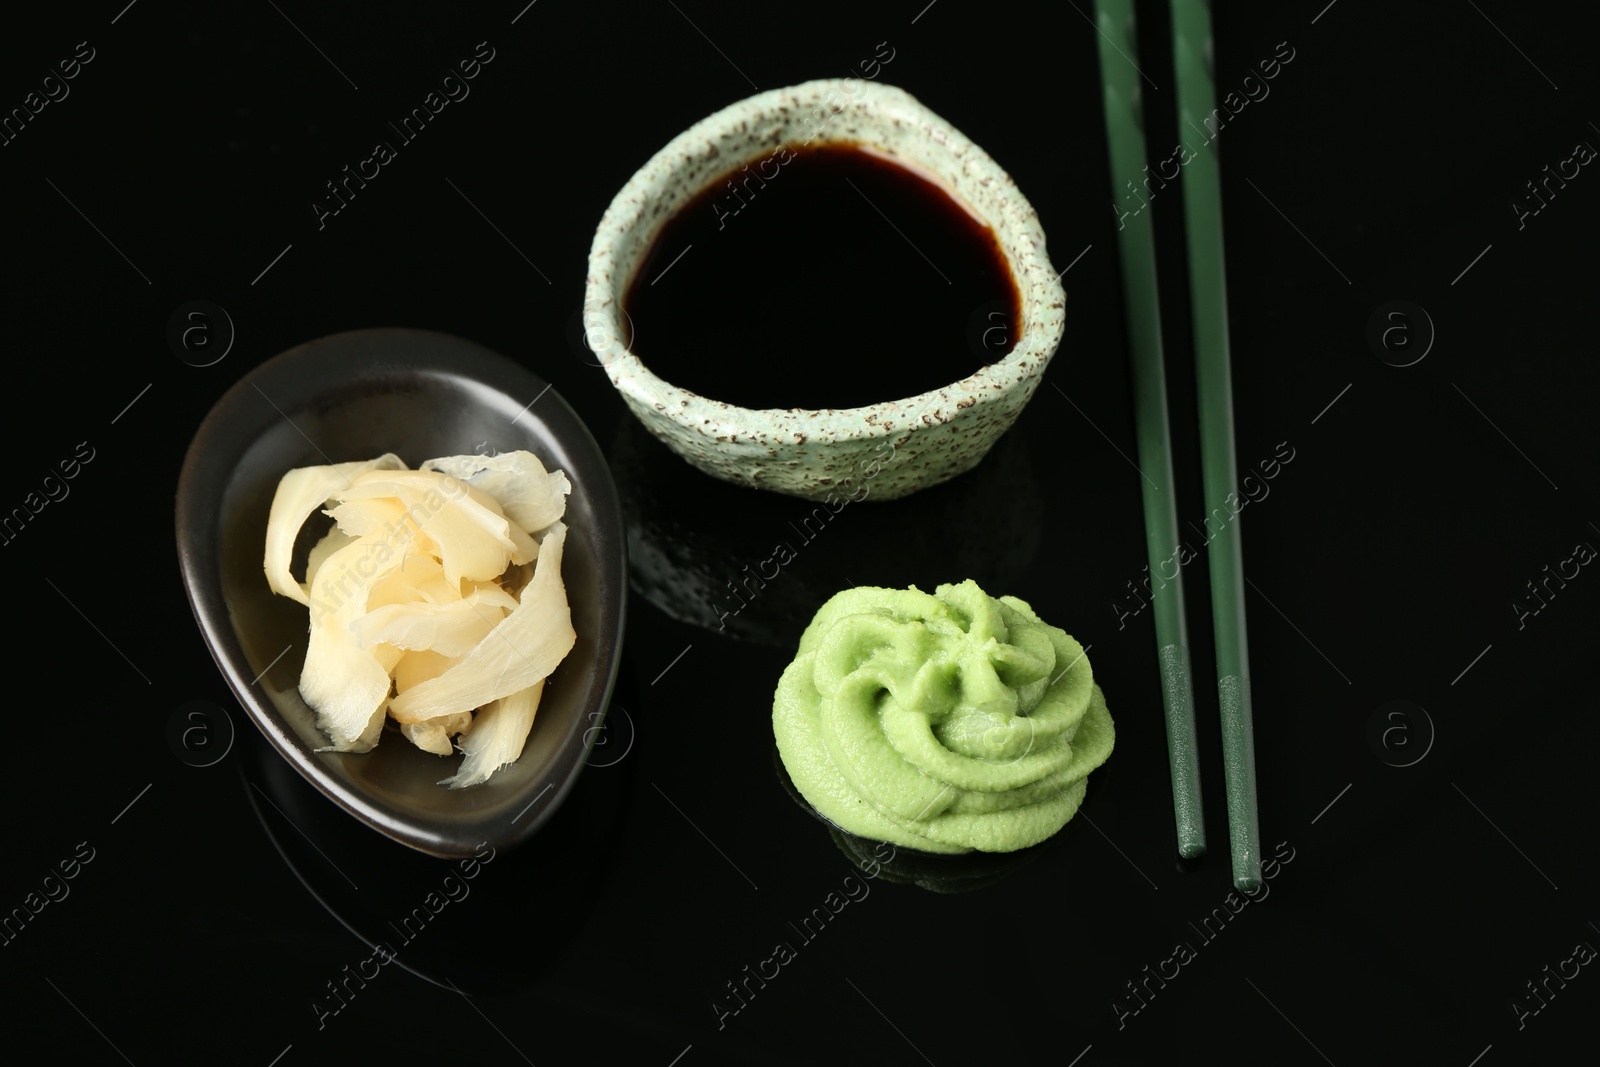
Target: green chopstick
1208 301
1142 306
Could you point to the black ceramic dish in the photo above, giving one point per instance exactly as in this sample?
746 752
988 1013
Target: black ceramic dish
418 394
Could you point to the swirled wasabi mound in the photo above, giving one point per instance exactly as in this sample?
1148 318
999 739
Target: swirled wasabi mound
946 723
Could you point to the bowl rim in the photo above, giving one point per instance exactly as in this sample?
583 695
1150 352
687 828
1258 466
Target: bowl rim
1041 296
218 444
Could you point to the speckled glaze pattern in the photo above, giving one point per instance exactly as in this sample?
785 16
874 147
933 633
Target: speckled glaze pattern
889 449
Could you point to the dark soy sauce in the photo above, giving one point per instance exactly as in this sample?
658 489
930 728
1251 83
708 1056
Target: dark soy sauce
821 277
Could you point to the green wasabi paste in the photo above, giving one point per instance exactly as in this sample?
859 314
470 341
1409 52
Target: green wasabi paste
944 723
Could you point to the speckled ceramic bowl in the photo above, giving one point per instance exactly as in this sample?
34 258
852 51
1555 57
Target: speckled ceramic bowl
884 450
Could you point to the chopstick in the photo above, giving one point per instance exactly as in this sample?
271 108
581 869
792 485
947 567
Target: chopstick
1142 307
1208 301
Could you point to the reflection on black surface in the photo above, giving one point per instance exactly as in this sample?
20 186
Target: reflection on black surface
500 922
756 565
935 872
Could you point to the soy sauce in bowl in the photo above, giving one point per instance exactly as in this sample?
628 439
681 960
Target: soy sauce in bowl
825 276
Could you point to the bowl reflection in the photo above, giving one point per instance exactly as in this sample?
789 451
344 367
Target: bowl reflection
460 924
755 566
